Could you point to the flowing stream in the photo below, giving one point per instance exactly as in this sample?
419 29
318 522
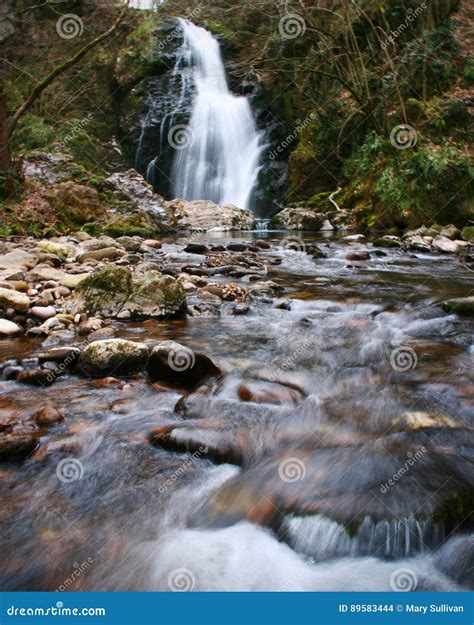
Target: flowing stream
218 158
301 497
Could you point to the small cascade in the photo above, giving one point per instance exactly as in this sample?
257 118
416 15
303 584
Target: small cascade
261 225
323 539
219 156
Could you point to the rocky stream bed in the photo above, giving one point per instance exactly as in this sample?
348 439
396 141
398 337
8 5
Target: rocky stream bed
271 411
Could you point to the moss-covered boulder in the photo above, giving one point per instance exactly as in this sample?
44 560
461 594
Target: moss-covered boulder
460 305
74 203
110 290
155 295
104 291
468 233
112 357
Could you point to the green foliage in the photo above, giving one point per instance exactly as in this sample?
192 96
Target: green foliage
33 133
416 185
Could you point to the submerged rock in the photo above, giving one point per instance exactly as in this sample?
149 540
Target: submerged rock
178 365
112 356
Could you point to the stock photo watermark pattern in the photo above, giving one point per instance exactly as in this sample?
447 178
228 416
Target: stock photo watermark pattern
236 311
69 26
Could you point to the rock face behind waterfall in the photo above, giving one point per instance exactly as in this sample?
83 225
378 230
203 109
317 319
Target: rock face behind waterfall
204 215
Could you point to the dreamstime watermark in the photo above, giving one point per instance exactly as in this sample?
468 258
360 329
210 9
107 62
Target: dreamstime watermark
69 470
79 569
74 132
403 137
181 580
403 359
412 459
69 26
190 14
291 26
292 470
180 137
403 580
288 585
300 126
56 610
181 359
181 470
412 15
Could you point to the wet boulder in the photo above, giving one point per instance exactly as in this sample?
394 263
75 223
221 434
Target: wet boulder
315 252
397 476
268 393
266 289
463 306
112 357
196 248
358 256
179 366
387 241
49 415
36 377
17 445
210 439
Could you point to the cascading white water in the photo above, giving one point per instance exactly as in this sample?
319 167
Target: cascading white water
219 160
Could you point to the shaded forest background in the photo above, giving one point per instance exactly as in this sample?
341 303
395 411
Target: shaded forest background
331 81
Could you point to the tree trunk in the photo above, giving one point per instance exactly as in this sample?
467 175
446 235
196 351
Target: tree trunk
6 176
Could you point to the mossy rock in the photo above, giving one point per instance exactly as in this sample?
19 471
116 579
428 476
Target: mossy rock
131 225
386 243
110 289
154 295
75 204
105 290
463 306
468 233
112 357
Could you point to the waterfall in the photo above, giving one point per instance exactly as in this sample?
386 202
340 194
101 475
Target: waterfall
219 156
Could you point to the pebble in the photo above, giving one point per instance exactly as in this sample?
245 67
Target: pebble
8 328
43 312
